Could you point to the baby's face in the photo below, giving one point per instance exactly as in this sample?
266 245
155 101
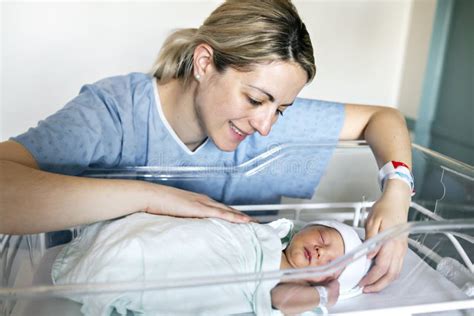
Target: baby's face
314 246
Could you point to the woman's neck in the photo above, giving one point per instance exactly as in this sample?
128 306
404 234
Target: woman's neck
177 103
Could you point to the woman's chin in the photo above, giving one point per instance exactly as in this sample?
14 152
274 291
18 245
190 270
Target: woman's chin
226 145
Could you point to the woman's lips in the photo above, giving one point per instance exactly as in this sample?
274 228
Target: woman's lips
236 132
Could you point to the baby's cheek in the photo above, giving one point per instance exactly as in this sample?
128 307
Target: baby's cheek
300 260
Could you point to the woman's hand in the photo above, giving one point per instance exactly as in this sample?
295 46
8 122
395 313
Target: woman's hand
164 200
390 210
386 132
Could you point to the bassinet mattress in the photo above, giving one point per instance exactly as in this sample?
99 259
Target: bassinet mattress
418 283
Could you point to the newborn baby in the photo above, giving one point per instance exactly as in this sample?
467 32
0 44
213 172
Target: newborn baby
317 244
144 247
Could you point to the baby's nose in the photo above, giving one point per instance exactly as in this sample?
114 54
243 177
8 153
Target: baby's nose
322 255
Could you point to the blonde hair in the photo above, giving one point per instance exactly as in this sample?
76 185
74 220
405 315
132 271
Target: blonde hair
241 33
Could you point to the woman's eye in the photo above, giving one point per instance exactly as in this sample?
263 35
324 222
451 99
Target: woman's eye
280 112
254 102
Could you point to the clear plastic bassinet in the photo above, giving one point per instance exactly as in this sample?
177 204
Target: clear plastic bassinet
437 276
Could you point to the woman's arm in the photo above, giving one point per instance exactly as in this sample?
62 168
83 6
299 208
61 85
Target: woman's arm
385 131
383 128
35 201
295 298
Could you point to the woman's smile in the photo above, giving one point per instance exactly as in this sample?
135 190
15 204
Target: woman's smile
237 133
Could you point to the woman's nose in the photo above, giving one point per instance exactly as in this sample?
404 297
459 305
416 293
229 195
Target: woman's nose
263 120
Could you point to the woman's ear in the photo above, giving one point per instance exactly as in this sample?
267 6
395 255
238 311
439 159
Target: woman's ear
203 61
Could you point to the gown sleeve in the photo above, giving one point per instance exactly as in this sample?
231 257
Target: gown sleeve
86 132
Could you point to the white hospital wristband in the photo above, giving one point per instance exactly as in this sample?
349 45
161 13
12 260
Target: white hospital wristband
323 296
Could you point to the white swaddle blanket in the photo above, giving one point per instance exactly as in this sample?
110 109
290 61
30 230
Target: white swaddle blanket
144 247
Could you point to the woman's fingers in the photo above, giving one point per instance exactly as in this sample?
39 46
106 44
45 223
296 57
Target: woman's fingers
371 229
377 272
227 213
390 275
372 254
177 202
231 216
387 267
372 226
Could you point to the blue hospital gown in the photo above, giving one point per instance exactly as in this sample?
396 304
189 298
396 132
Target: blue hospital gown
118 122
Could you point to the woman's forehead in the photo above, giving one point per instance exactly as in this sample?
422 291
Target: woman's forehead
280 80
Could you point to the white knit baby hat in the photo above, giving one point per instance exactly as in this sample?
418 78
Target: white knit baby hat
356 270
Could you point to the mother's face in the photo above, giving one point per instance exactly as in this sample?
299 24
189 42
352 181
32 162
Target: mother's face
233 105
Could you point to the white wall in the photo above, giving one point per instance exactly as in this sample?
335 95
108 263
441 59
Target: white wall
359 48
1 73
51 49
415 57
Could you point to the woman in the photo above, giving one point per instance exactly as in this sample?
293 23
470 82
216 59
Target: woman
215 94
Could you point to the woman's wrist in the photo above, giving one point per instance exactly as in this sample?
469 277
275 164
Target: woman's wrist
398 191
124 197
398 188
150 193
